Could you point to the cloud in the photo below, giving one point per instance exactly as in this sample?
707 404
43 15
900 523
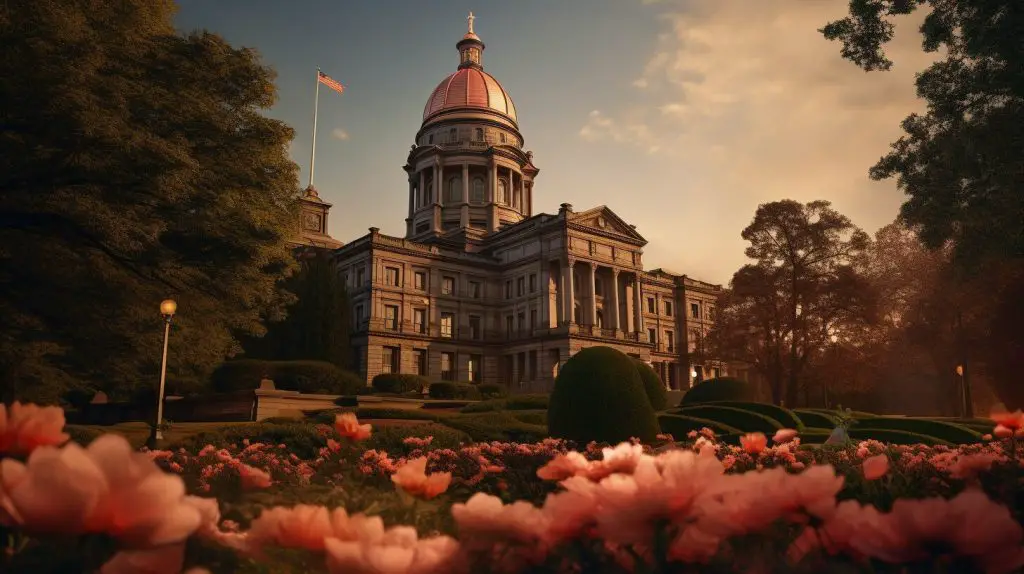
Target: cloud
339 134
751 98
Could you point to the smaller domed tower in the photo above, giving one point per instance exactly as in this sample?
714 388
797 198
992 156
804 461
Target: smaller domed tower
468 170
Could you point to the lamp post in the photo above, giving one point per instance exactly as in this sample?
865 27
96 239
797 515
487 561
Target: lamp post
167 309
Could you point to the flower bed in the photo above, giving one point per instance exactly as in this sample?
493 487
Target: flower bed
437 504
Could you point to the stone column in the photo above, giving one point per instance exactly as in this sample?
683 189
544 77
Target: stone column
569 305
492 212
592 293
543 295
464 214
423 188
412 196
615 301
638 309
438 188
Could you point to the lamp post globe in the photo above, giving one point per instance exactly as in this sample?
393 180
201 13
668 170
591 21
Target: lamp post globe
168 307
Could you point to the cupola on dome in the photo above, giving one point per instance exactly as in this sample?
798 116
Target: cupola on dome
470 87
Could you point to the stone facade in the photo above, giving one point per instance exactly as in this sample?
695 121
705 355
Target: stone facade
483 289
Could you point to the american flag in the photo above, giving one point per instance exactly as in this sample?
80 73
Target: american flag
330 82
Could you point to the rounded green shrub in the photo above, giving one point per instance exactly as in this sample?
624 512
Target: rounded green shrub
680 425
399 383
946 431
492 391
653 385
598 396
720 389
240 375
744 420
784 416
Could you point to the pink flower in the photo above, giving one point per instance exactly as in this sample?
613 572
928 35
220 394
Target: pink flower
105 488
563 466
753 443
398 550
348 426
23 428
412 477
302 526
1013 421
1002 431
484 519
968 466
784 435
167 559
253 478
875 467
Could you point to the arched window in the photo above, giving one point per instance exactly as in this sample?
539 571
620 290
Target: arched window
599 320
502 192
430 139
454 190
577 314
479 134
453 134
478 191
517 199
429 195
503 137
597 286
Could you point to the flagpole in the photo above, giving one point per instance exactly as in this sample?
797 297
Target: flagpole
316 105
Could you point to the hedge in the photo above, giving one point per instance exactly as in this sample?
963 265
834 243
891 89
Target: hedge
492 391
496 426
813 437
317 377
399 383
720 389
744 420
390 438
450 390
302 438
513 403
816 419
782 415
679 425
539 417
895 436
948 432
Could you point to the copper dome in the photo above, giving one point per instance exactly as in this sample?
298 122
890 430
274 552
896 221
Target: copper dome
469 88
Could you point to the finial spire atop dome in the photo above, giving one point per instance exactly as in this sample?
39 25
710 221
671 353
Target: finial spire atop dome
471 48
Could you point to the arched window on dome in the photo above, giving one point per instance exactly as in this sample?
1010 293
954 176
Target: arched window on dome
502 192
429 195
453 135
454 190
478 191
478 134
503 137
517 199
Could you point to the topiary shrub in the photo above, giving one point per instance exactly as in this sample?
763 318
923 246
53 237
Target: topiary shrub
653 385
720 389
946 431
492 391
784 416
240 375
816 419
450 390
744 420
316 377
598 396
399 383
680 425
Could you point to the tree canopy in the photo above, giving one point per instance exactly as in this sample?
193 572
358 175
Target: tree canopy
962 162
136 164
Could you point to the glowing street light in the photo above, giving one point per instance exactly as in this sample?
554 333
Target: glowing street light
167 309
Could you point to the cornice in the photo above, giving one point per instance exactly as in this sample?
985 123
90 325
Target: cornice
606 234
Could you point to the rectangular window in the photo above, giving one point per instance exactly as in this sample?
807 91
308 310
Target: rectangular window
670 341
520 286
508 372
419 320
420 361
508 289
716 372
475 368
360 276
651 308
447 285
391 360
509 325
520 367
700 374
447 366
391 317
668 308
391 276
534 367
474 289
420 280
474 327
522 321
533 283
692 343
447 321
533 319
695 310
357 315
652 335
670 369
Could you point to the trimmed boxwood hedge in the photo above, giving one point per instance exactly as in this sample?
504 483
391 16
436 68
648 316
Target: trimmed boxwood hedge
782 415
390 438
895 436
816 419
812 437
317 377
492 391
719 389
302 438
680 425
513 403
744 420
653 385
531 417
399 383
948 432
450 390
496 426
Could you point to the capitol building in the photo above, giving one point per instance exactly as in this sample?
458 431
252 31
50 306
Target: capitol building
482 288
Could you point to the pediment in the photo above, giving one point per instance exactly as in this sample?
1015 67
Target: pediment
603 221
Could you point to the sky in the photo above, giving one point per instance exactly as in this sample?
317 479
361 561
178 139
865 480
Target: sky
681 116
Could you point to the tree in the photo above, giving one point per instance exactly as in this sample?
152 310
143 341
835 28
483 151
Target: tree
317 326
961 163
802 290
135 164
